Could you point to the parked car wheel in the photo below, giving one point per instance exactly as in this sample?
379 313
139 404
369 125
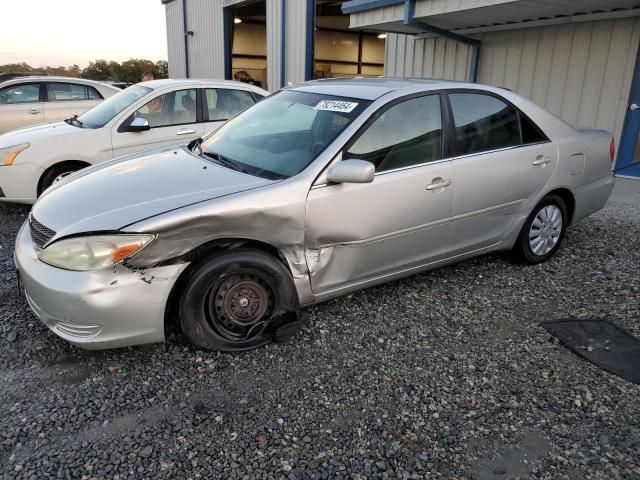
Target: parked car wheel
230 301
543 231
57 173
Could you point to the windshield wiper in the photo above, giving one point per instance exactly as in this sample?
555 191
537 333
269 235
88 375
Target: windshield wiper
225 162
76 120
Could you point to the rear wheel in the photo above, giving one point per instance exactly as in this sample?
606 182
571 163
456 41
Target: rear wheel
231 302
56 173
543 231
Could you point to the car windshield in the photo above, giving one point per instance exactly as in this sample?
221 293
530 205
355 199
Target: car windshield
279 136
102 113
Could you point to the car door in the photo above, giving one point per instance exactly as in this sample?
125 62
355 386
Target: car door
222 104
64 99
357 233
503 161
174 118
21 105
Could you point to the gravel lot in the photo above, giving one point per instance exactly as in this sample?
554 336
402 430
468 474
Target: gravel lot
443 375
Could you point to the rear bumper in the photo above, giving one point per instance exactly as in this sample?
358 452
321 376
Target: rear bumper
593 196
19 182
109 308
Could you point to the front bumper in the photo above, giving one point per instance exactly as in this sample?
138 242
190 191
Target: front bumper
19 182
110 308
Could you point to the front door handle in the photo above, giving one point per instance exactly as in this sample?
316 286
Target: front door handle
185 132
540 160
34 111
437 183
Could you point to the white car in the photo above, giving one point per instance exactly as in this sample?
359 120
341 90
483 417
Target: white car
28 101
141 117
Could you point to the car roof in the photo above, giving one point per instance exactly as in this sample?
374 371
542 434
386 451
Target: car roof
49 78
373 88
169 82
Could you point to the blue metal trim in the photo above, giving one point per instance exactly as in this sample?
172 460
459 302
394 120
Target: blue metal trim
283 36
308 64
186 38
410 21
475 63
227 28
354 6
625 164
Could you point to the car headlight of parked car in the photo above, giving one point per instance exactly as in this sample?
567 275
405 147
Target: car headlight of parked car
93 252
9 154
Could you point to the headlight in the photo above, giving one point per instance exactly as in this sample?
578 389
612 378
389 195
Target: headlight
9 154
93 252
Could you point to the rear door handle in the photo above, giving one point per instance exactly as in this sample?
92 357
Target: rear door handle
34 111
438 183
185 132
540 160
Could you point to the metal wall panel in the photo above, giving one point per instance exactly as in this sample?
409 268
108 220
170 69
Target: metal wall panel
296 43
581 72
274 28
206 45
175 42
435 57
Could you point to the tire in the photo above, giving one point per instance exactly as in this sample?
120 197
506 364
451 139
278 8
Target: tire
57 171
236 301
542 233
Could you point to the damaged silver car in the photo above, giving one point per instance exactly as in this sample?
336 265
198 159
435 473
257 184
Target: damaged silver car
320 189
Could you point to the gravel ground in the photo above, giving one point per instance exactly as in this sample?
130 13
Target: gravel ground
443 375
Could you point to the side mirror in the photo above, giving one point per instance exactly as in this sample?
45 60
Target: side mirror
139 124
351 171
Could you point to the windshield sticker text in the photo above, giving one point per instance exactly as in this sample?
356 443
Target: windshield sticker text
336 106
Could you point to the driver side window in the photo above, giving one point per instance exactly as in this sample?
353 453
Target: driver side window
173 108
406 134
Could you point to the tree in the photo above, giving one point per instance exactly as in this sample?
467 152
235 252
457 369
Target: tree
128 71
99 70
162 69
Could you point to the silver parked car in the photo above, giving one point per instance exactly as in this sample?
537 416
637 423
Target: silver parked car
26 101
318 190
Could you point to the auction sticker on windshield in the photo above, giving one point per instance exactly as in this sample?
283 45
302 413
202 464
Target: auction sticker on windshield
336 106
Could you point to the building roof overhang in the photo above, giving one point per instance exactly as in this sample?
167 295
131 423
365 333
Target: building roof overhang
476 16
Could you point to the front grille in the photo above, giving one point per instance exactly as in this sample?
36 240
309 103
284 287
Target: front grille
39 233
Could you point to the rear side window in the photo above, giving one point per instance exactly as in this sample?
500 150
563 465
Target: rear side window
530 131
225 103
23 93
62 91
484 122
409 133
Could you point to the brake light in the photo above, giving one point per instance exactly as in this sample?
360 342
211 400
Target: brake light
612 150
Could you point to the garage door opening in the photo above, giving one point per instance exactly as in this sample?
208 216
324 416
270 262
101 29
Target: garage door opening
340 52
249 43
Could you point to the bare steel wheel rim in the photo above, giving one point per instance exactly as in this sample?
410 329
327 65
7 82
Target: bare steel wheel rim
545 230
239 304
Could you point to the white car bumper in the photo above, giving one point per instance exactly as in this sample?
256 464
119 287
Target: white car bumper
19 182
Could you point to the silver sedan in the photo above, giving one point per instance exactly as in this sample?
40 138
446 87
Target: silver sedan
316 191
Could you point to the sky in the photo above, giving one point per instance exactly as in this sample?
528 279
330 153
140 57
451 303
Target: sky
66 32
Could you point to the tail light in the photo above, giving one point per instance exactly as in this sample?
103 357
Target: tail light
612 150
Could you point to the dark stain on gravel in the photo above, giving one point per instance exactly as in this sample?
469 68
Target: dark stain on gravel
446 374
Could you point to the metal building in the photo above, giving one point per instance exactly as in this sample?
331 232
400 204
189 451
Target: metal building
578 58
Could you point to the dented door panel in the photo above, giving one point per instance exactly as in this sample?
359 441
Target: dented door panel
356 232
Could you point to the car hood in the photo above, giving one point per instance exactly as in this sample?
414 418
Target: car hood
118 193
37 132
